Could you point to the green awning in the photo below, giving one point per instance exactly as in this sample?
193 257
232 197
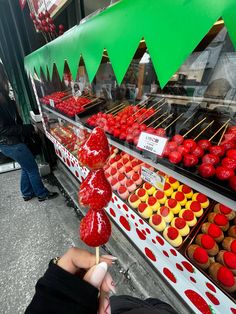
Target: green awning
171 29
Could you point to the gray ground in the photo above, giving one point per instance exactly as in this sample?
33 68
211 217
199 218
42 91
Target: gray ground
31 233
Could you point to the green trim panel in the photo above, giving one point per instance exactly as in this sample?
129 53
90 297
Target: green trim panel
171 28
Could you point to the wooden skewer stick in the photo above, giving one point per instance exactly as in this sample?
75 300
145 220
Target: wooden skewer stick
91 102
226 127
173 121
140 108
160 108
210 139
115 108
97 255
114 114
194 127
163 120
118 109
151 108
210 124
157 119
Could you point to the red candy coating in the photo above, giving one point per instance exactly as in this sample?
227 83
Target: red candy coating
133 198
214 231
172 233
233 246
224 209
152 201
201 198
225 276
195 206
220 220
207 242
180 223
200 255
179 196
142 207
164 211
172 202
186 189
188 215
156 219
230 259
159 195
141 192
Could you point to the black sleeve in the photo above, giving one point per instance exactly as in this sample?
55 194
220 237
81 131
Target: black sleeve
60 292
16 130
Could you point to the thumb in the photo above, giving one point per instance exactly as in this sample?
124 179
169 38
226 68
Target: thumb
96 274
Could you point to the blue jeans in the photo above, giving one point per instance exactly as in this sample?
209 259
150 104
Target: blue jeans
31 183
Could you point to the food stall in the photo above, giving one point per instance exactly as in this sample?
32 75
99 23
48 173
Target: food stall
160 81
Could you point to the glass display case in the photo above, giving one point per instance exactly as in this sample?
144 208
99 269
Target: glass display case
173 162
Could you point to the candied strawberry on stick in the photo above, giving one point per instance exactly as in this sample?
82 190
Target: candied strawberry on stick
95 228
95 191
95 151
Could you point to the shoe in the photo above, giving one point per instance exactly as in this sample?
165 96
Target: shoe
28 198
49 196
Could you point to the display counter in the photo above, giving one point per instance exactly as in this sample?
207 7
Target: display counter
173 159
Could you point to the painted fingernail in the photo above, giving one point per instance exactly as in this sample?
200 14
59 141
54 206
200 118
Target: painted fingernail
110 257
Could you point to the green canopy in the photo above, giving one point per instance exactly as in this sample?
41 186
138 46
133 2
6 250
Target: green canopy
171 29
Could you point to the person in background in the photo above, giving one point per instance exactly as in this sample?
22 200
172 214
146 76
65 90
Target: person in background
12 134
73 284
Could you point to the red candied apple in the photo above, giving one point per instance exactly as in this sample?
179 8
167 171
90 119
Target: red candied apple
232 183
160 132
172 146
198 152
206 170
166 151
204 144
229 163
191 144
228 145
211 159
178 139
95 228
231 153
190 160
217 150
223 173
183 150
175 157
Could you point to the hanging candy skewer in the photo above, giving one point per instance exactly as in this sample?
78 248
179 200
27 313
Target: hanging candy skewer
194 127
210 124
223 126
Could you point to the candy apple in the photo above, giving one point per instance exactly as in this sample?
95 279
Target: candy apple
229 163
198 152
178 139
190 160
189 143
231 153
204 144
175 157
232 183
223 173
206 170
211 159
217 150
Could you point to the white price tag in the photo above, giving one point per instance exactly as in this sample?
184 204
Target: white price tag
153 178
152 143
51 102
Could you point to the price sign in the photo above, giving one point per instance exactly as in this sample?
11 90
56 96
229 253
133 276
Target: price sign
153 178
152 143
51 102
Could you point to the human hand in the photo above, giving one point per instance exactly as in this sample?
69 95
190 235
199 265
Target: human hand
76 260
